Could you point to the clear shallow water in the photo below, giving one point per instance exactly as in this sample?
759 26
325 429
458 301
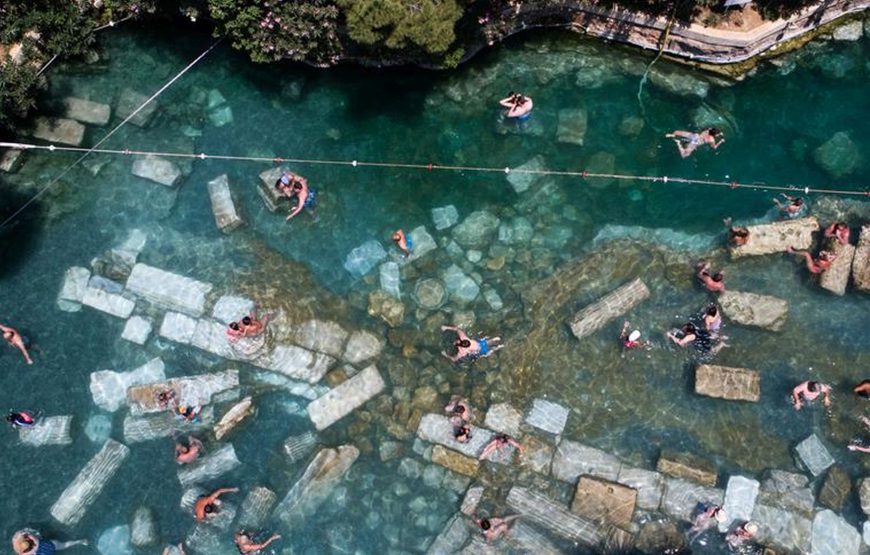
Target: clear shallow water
632 405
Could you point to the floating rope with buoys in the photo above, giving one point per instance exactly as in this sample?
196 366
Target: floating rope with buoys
431 166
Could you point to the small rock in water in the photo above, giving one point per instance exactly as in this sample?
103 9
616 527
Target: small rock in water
631 126
137 329
849 32
460 286
98 428
477 230
390 279
215 99
221 116
364 258
445 217
635 195
429 293
143 529
115 541
838 156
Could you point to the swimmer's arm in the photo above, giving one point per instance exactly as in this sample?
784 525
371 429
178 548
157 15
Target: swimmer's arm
796 398
516 444
854 447
827 393
299 206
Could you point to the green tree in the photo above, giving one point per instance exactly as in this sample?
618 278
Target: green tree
403 24
269 30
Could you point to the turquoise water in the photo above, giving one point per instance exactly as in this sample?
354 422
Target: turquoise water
632 405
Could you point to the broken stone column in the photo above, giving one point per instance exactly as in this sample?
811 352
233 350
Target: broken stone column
222 206
167 290
777 237
548 514
345 398
750 309
75 283
529 540
233 417
89 483
299 447
58 130
146 428
213 465
833 535
649 485
109 388
609 307
323 336
49 430
723 382
835 278
316 484
190 391
256 508
861 261
143 528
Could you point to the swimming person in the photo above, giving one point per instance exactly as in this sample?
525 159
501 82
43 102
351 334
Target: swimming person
251 326
737 235
174 550
14 339
467 347
810 391
459 411
245 542
741 534
235 331
862 389
712 319
709 517
630 340
462 433
493 528
702 340
186 454
21 419
208 506
791 209
713 282
499 442
403 242
518 105
306 198
839 231
29 542
820 264
687 141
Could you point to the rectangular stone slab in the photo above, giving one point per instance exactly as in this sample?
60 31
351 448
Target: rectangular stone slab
681 498
256 507
157 169
814 455
835 278
723 382
75 284
740 496
226 216
602 501
751 309
452 537
528 540
777 237
550 515
110 303
233 417
688 467
146 428
436 428
11 159
573 459
608 307
649 485
344 399
787 530
87 111
833 535
213 465
861 261
131 100
168 290
89 483
316 484
192 390
59 130
548 416
297 363
455 461
178 327
109 388
266 187
49 430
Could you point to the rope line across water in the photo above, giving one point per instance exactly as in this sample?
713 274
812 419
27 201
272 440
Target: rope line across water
442 167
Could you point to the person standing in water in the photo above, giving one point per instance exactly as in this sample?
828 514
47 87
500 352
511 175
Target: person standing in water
15 339
518 106
403 242
810 391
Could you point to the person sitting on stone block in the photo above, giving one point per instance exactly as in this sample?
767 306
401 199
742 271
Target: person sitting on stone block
208 506
493 528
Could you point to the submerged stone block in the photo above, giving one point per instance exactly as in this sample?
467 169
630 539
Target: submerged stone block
740 496
430 293
109 388
602 502
211 336
681 498
233 417
503 418
839 155
814 455
572 126
87 111
788 491
143 528
421 244
777 237
609 307
49 430
787 530
548 416
861 261
110 303
436 428
750 309
323 336
344 399
832 535
525 175
723 382
477 230
554 517
213 465
835 278
11 160
452 537
266 187
89 483
528 540
391 281
137 329
316 484
835 489
459 286
58 130
75 284
362 346
157 169
364 258
178 327
146 428
688 467
573 459
649 485
98 428
129 102
455 461
300 446
471 500
256 508
189 391
226 216
168 290
298 363
444 217
115 541
230 308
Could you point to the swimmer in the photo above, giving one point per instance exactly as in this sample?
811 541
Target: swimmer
251 326
285 183
687 141
499 442
630 340
713 282
245 542
790 209
21 419
712 319
810 391
403 242
701 339
462 433
235 331
209 505
15 339
820 264
494 528
165 398
188 413
737 236
741 534
839 231
518 105
460 412
174 550
186 454
862 389
707 518
467 347
306 197
29 542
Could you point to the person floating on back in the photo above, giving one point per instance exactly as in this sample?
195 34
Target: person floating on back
518 105
468 348
21 419
493 528
688 141
15 339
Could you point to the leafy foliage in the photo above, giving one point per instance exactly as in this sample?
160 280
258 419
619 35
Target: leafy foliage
16 93
427 25
270 30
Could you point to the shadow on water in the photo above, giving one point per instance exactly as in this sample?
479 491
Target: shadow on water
18 237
